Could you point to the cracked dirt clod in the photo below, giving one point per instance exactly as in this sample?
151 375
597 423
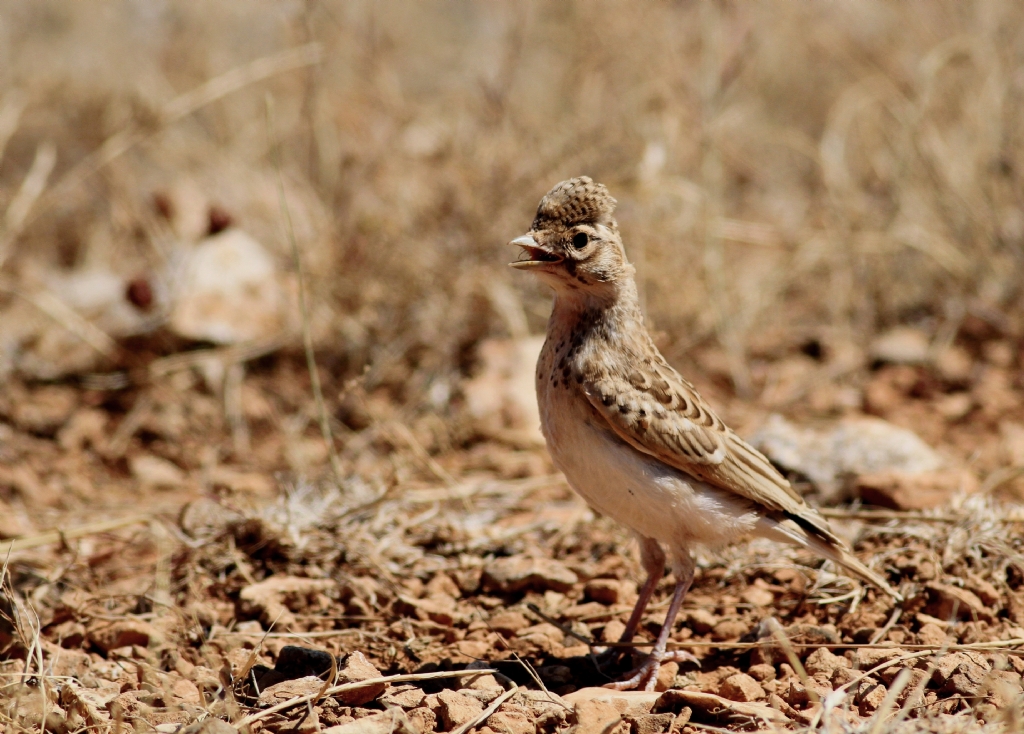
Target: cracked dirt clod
610 591
516 573
405 696
972 666
651 723
741 687
268 598
952 600
121 633
621 701
289 689
357 668
871 699
512 721
598 717
393 721
824 662
508 623
457 708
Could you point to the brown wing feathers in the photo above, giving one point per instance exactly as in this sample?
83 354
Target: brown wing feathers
666 418
673 425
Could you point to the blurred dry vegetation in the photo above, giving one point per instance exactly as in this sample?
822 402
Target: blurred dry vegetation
824 201
785 171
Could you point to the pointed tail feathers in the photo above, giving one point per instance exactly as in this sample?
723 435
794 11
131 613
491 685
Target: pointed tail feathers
849 561
790 532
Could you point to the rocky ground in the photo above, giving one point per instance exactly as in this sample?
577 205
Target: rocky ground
822 201
176 561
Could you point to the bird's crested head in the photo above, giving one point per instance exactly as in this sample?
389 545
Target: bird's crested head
574 242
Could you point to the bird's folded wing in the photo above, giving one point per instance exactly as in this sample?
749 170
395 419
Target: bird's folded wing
658 412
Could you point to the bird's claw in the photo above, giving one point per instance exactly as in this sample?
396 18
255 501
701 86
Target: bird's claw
646 675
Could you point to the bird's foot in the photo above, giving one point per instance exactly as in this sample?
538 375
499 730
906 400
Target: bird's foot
645 676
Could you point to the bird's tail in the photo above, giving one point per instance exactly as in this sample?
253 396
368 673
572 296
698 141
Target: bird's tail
789 531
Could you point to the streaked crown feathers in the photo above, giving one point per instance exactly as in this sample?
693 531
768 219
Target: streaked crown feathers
575 201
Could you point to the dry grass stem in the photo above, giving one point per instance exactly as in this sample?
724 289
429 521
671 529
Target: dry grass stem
179 108
12 105
823 205
59 536
779 634
51 305
486 713
333 690
31 188
307 334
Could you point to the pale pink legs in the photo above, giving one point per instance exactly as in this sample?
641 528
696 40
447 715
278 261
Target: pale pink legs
646 675
652 558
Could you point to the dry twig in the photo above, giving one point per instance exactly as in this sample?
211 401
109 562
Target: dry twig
178 108
298 700
482 717
58 536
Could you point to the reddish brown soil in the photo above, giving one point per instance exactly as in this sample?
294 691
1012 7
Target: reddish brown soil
251 546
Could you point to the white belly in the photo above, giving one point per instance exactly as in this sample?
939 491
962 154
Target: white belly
647 496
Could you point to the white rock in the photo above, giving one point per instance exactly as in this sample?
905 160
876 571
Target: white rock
155 472
901 345
67 320
101 297
231 291
621 700
830 455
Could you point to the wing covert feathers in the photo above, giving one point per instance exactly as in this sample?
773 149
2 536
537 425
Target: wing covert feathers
658 412
662 415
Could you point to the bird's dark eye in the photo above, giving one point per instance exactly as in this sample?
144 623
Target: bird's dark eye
580 240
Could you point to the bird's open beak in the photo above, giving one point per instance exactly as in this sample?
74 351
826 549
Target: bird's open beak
535 256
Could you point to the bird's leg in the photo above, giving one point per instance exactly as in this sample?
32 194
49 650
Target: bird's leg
647 674
652 558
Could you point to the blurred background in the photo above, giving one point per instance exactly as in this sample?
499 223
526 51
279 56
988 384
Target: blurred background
823 201
201 201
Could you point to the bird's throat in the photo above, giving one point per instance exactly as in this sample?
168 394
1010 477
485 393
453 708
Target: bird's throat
616 300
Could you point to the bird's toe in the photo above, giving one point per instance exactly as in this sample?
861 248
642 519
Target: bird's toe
680 656
643 678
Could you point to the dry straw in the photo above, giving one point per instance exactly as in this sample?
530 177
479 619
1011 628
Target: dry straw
782 175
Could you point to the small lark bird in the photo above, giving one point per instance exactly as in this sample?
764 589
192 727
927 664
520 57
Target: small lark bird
633 437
